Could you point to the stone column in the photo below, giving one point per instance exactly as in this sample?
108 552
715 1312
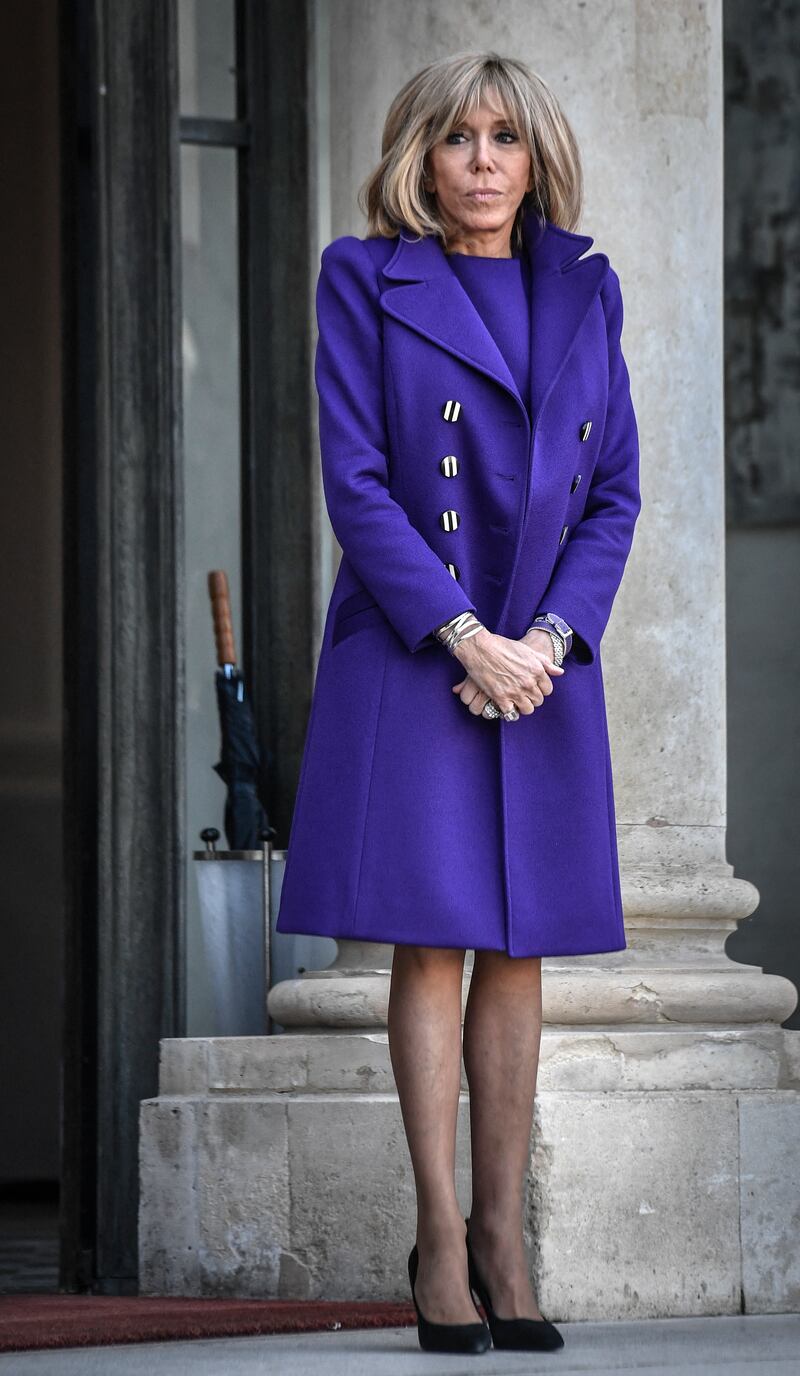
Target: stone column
667 1112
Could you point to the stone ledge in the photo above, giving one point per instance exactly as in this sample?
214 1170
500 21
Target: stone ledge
628 1057
639 1204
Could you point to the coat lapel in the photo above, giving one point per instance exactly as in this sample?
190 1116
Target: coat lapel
432 301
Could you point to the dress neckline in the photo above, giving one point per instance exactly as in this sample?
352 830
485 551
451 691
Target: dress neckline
484 257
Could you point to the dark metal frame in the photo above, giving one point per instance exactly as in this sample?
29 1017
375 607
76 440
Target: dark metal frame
277 402
123 614
271 132
125 842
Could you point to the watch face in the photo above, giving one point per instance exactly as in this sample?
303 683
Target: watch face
559 623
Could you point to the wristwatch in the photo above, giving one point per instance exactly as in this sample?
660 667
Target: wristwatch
548 621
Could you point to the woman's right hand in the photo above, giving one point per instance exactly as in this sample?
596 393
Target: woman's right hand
511 672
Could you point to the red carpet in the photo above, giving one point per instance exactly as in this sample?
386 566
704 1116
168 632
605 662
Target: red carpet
37 1321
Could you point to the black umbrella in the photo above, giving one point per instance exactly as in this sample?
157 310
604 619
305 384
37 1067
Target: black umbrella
239 765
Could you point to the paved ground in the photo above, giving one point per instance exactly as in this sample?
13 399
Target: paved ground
659 1347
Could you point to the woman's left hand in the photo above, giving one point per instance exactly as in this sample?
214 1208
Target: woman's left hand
474 697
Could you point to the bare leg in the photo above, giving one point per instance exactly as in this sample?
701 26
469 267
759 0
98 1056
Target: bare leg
502 1033
425 1050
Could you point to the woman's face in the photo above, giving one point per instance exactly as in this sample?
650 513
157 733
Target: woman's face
484 151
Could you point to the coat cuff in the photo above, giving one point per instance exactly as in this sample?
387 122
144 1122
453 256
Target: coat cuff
582 650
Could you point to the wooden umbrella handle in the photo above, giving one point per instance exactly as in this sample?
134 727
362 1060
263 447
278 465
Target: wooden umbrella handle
221 611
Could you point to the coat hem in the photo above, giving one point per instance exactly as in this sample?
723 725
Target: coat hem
388 940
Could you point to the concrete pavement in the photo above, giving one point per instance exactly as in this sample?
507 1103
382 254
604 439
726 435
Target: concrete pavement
724 1346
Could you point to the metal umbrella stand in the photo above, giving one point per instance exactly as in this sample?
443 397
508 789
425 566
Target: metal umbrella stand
231 890
266 885
237 889
235 885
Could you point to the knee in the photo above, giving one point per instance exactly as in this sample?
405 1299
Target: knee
428 960
500 962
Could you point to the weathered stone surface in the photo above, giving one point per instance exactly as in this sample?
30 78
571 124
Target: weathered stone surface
769 1146
257 1063
640 1056
660 1057
633 1205
636 1207
790 1077
243 1196
360 1062
353 1198
169 1218
183 1065
214 1197
357 1061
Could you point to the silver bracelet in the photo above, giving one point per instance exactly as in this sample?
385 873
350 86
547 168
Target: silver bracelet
559 643
558 646
458 628
558 640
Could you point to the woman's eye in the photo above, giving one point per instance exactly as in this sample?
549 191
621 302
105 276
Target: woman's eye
502 134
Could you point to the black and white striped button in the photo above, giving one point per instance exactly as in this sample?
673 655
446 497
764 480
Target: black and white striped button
585 428
453 569
451 410
449 465
449 520
575 482
563 533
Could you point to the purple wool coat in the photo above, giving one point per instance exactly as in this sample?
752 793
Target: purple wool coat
416 821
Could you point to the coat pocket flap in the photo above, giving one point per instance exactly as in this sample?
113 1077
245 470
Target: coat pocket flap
356 602
357 610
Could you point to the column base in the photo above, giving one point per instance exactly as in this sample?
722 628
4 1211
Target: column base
674 969
277 1167
578 990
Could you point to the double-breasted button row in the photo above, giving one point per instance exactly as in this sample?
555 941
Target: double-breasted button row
449 520
584 435
448 466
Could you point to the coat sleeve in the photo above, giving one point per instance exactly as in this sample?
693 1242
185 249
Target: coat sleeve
395 563
587 576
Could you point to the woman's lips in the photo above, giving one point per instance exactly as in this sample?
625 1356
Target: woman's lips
483 195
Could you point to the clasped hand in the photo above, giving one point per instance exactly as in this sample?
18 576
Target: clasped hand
513 673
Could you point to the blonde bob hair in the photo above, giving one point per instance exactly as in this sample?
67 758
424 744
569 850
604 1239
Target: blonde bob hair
431 105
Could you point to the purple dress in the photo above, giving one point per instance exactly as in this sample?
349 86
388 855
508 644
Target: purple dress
499 289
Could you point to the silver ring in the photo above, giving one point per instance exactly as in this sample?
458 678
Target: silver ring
511 715
490 709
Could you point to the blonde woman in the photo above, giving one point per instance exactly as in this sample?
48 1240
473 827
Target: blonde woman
480 463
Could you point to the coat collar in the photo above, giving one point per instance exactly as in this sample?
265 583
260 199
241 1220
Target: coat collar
432 301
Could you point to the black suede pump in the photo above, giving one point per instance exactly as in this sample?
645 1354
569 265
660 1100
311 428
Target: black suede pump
446 1337
523 1335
